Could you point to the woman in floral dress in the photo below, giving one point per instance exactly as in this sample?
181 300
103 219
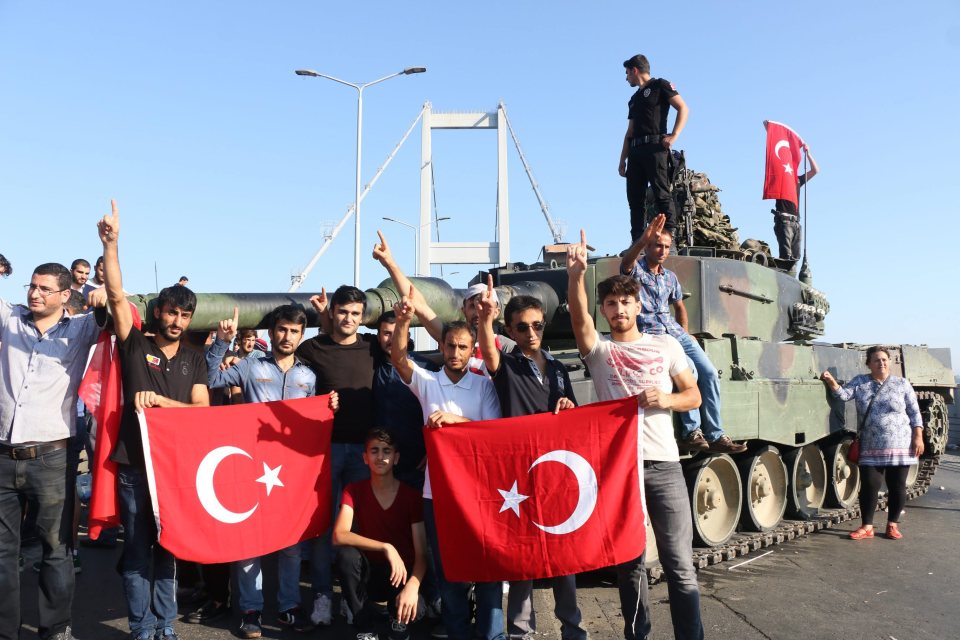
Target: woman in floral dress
891 437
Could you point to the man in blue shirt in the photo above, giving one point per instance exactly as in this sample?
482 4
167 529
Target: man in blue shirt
280 375
659 290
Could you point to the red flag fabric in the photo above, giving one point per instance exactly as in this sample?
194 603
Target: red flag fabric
101 391
240 481
538 496
784 149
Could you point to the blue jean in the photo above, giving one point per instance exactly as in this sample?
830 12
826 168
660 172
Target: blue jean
346 466
250 581
707 417
668 508
149 571
42 482
455 603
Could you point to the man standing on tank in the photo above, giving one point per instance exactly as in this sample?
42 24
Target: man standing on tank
646 145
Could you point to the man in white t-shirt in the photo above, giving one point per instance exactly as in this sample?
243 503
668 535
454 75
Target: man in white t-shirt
630 363
453 394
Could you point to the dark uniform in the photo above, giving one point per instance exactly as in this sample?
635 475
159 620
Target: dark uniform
647 161
786 226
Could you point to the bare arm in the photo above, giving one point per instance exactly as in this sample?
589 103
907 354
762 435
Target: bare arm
814 168
199 397
407 599
625 151
633 253
488 341
398 354
584 330
426 315
681 311
683 111
686 397
109 231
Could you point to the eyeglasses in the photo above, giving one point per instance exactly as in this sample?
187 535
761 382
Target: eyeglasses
45 292
523 327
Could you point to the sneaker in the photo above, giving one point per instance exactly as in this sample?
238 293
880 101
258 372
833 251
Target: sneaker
166 634
210 610
345 611
367 636
695 442
321 610
250 625
296 619
398 631
724 444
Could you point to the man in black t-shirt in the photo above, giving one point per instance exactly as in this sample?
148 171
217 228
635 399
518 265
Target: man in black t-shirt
157 371
529 380
647 144
344 361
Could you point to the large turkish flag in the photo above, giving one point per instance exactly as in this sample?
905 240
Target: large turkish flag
538 496
240 481
784 149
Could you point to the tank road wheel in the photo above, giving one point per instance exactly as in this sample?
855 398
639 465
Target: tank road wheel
764 489
844 475
808 481
714 490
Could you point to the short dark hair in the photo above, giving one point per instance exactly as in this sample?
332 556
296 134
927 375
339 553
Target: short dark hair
177 296
346 294
638 62
458 325
518 304
184 278
617 286
5 267
77 262
875 349
98 262
387 317
57 270
243 333
75 303
288 313
378 433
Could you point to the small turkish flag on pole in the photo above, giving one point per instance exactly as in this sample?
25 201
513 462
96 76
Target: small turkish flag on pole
538 496
241 481
784 149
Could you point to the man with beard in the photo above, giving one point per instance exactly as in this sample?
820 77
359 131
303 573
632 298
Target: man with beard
43 353
280 375
529 380
343 361
630 363
429 319
157 371
79 274
451 395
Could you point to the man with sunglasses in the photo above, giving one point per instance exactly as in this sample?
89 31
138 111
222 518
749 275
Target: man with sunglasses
528 380
43 353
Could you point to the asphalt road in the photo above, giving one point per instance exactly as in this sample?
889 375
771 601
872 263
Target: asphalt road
820 586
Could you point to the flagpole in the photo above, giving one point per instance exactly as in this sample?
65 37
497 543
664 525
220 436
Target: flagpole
805 276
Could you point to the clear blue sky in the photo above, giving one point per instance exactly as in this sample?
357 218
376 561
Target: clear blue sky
226 164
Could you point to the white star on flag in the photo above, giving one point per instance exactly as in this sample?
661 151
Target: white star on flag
512 499
787 168
270 477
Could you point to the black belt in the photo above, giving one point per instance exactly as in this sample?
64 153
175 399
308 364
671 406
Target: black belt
31 452
636 141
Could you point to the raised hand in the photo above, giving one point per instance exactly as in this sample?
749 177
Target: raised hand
320 302
653 230
381 252
577 255
109 227
227 329
405 309
488 308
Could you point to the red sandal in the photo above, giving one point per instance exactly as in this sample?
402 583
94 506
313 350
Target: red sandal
893 531
861 533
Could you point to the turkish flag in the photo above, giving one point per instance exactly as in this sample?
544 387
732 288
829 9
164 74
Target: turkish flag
239 481
784 149
101 391
538 496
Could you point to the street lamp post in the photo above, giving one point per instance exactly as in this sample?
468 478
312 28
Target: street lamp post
416 239
356 202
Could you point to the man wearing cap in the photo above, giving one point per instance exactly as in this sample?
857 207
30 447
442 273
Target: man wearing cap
646 145
429 319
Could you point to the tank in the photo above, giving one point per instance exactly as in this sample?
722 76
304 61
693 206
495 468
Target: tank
759 326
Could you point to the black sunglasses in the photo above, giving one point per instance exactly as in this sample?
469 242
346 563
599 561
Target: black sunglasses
523 327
